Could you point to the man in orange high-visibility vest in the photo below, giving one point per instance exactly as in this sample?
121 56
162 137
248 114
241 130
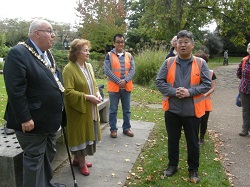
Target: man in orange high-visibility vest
183 80
120 68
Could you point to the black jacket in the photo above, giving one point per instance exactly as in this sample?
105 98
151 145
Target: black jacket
33 92
171 53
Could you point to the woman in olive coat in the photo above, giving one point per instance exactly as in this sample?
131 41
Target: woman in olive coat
81 99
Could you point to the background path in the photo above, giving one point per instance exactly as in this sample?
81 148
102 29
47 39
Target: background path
225 125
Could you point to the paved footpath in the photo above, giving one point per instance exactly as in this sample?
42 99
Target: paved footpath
112 161
225 124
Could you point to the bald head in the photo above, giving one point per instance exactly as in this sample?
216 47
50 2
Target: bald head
37 25
42 34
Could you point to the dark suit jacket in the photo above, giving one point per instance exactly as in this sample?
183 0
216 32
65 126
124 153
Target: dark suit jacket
32 92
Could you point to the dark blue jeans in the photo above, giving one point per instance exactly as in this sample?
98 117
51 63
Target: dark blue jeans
114 98
174 124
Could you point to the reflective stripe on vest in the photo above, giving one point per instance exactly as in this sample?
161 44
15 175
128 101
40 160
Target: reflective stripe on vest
199 103
208 100
116 69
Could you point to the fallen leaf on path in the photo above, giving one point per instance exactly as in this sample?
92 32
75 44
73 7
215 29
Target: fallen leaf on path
204 174
216 159
139 169
185 179
149 178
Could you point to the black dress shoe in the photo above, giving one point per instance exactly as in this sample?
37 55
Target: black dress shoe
244 132
170 171
59 185
7 130
194 177
201 142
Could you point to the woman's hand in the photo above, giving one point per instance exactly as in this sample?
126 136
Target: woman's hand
99 96
93 99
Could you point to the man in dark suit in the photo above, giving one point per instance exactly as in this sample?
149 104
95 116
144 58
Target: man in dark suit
35 102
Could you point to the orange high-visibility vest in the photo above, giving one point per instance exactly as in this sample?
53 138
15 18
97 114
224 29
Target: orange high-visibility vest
244 61
199 104
208 100
116 69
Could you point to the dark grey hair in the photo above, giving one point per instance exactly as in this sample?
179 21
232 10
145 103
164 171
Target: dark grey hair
117 35
185 33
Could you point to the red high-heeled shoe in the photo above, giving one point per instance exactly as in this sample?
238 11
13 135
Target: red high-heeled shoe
84 170
76 163
89 164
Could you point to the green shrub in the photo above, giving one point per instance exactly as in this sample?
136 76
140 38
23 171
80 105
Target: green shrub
98 68
97 59
4 51
1 65
97 56
61 57
147 65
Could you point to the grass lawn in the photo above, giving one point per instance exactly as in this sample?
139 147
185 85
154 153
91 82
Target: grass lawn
3 99
219 61
151 163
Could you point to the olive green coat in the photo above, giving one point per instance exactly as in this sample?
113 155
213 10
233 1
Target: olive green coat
80 125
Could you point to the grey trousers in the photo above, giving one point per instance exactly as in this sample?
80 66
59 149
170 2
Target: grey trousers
39 151
245 100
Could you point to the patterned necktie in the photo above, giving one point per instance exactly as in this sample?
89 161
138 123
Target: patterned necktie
46 59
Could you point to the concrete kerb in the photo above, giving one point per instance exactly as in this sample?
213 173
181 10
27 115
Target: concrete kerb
10 160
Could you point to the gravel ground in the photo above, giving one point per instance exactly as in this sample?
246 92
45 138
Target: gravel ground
225 124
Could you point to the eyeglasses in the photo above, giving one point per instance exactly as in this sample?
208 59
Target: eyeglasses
119 42
48 31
